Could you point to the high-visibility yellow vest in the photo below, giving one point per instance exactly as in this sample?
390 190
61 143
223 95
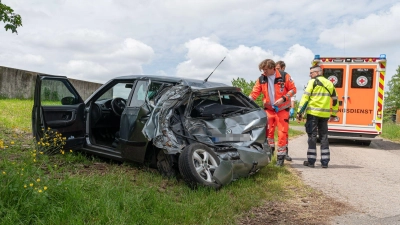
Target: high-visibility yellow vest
317 96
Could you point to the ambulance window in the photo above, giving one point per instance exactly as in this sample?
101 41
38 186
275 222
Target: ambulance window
362 78
335 76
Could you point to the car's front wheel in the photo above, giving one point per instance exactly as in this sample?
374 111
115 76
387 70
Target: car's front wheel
197 164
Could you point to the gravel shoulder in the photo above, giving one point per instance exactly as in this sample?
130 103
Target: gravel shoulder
364 177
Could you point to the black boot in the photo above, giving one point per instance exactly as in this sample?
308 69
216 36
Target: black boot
280 160
287 157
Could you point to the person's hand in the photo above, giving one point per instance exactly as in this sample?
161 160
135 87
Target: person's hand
333 119
279 101
299 117
291 112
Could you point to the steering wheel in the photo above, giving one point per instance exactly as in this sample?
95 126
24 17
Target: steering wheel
118 105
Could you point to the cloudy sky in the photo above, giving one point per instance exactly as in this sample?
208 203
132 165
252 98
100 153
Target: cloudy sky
95 40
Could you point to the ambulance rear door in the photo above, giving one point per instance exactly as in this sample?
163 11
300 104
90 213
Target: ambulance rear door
361 95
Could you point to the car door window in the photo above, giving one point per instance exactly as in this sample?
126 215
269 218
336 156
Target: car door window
139 95
56 92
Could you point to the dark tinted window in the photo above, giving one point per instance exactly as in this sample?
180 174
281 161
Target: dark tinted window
362 78
335 76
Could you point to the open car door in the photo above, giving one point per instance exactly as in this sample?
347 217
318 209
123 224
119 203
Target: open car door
58 107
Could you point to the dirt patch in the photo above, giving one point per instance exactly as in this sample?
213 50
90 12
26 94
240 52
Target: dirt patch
305 206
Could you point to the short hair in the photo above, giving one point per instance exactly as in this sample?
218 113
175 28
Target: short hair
281 64
269 63
316 68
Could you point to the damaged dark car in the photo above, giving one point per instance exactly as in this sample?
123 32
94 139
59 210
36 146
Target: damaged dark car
209 133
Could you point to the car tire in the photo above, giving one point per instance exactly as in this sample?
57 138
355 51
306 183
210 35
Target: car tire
197 164
165 165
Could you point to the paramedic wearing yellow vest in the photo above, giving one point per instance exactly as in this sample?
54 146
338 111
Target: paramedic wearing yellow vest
276 99
317 96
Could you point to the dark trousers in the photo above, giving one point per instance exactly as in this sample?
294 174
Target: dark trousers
313 125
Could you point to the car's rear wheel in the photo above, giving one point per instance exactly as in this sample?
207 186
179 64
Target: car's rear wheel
197 164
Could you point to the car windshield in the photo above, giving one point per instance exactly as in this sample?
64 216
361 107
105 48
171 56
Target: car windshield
119 90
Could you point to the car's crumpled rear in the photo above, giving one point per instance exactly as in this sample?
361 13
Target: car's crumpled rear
222 120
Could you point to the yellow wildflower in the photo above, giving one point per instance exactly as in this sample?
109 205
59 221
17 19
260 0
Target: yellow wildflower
38 180
34 160
70 150
12 142
44 188
41 153
25 186
31 185
4 172
40 191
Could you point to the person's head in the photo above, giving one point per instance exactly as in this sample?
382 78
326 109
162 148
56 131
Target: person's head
267 66
280 65
315 71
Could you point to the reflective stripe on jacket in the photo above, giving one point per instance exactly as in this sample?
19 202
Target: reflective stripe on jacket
318 98
285 88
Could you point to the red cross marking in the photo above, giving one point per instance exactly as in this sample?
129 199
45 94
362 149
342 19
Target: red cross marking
332 80
362 80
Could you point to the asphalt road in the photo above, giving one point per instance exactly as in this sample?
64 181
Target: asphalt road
366 177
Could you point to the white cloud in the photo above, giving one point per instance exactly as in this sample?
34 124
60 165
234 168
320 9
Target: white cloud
240 62
99 39
377 30
28 59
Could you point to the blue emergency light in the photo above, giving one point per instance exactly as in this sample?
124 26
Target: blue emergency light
317 57
382 56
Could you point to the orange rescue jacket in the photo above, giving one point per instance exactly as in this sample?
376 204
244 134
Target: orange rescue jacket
285 88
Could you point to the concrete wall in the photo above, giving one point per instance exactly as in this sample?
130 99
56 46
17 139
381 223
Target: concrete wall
15 83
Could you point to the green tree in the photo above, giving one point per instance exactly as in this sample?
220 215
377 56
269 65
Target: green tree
246 88
11 19
392 96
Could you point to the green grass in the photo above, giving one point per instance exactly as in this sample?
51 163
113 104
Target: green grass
73 188
391 131
16 113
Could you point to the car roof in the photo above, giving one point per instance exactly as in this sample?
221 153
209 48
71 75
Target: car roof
194 83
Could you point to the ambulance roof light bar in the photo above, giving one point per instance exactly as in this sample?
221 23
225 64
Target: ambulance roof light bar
381 57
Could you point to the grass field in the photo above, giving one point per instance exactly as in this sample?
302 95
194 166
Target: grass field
74 188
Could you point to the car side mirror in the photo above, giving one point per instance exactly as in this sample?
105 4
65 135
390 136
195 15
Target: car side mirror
69 100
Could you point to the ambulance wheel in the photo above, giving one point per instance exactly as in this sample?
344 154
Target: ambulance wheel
366 143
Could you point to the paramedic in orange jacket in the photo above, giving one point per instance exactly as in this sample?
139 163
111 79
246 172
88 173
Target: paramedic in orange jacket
280 65
276 99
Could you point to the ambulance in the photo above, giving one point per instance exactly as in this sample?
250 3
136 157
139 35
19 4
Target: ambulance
359 83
